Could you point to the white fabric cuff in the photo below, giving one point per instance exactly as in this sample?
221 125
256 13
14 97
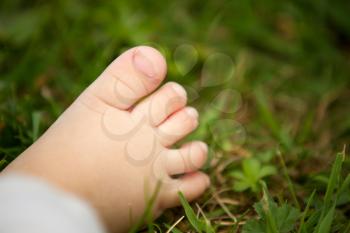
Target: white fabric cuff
30 205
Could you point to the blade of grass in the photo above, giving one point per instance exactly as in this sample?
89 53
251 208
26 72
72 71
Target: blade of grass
235 228
333 183
36 118
271 122
312 221
289 181
3 163
147 214
190 214
302 221
344 185
265 112
208 227
271 224
172 228
224 207
326 223
347 229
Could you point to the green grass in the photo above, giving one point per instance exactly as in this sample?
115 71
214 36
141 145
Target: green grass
287 105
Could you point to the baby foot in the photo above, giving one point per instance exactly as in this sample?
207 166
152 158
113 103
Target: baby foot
112 145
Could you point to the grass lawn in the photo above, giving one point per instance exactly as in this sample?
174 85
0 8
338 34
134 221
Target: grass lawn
270 79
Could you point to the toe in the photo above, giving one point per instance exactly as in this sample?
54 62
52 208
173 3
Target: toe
178 126
188 158
133 75
162 103
192 186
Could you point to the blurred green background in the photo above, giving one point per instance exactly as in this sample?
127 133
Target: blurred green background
296 53
291 69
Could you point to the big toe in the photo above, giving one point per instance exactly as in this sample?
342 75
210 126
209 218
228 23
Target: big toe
133 75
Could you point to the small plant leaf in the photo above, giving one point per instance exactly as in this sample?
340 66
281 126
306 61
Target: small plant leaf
251 168
254 226
267 171
240 186
251 174
272 218
237 175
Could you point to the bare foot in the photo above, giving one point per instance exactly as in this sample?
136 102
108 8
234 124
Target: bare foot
111 146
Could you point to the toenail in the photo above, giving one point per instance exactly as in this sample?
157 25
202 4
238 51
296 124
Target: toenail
203 146
143 64
192 112
179 89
